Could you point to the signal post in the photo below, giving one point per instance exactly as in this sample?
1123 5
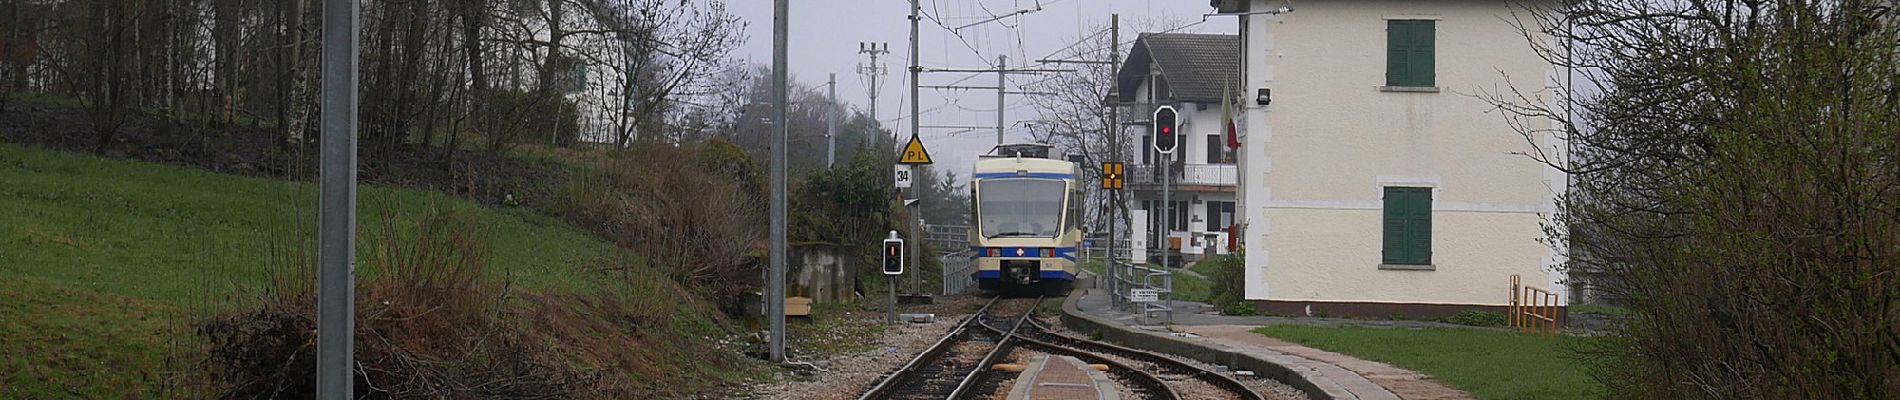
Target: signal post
893 266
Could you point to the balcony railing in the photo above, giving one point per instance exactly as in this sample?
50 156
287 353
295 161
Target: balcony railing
1185 174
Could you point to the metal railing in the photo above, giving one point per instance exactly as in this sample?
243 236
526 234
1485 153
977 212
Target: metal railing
1185 174
1127 277
956 271
948 238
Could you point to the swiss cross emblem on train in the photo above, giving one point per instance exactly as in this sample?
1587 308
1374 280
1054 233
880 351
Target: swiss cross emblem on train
1019 252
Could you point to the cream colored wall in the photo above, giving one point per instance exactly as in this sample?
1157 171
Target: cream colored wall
1333 255
1316 158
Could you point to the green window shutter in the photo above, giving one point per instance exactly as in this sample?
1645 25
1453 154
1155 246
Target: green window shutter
1394 228
1409 53
1422 61
1407 226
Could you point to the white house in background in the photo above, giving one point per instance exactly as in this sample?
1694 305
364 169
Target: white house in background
1187 71
1376 184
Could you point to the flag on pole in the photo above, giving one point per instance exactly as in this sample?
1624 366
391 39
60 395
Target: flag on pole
1227 118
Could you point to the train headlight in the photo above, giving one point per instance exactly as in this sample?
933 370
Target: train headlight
1049 252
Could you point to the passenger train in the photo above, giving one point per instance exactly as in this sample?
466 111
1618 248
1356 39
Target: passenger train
1028 220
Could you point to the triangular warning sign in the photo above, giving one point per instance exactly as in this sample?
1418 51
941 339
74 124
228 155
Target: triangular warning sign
914 152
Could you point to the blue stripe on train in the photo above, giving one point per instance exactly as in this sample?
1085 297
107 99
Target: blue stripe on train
1066 253
1043 175
1058 275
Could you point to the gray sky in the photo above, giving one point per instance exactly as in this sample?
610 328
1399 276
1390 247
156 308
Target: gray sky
825 36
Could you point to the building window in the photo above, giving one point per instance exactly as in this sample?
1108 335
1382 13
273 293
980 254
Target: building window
1219 215
1408 225
1147 150
1216 150
1180 211
1408 53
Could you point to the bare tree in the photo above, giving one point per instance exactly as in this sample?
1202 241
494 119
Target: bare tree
1734 183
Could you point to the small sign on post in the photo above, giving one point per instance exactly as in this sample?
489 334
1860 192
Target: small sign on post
902 176
1143 295
1112 176
914 152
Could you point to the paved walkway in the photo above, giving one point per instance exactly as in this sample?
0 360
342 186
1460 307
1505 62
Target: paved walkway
1061 378
1357 378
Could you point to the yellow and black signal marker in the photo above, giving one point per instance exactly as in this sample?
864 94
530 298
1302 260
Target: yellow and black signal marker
1112 176
914 152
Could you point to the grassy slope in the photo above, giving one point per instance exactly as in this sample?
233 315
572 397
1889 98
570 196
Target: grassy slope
100 260
1489 364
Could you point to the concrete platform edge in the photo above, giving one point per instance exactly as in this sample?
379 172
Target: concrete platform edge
1295 371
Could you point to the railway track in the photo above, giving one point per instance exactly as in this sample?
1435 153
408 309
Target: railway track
950 368
957 367
1185 380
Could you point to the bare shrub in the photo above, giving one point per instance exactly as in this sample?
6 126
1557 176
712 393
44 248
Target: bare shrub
690 212
432 323
1735 183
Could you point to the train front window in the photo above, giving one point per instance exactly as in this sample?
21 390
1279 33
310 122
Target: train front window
1020 207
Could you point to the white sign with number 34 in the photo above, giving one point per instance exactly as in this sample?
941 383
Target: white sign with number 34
902 176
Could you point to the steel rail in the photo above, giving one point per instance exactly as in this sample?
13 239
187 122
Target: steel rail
1214 378
1149 381
884 388
963 388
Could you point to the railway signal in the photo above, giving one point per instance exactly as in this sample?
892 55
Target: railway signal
1164 126
1112 176
893 255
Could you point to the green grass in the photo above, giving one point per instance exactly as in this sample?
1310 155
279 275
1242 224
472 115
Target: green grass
100 259
1599 309
1190 287
1489 364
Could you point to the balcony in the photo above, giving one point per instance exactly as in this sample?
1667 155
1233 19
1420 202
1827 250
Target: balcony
1189 177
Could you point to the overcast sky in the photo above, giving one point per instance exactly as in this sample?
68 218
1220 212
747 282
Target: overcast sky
825 35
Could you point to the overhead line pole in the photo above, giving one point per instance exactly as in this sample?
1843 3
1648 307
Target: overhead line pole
775 279
1114 152
872 71
336 277
916 69
1002 63
831 123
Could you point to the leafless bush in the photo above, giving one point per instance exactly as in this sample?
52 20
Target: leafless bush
432 324
1735 179
689 212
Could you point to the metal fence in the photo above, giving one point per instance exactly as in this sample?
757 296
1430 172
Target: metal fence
1185 174
948 238
1126 280
957 270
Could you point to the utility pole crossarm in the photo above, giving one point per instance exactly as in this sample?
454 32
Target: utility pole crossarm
1004 70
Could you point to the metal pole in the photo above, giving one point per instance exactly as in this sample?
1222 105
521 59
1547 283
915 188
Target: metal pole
1115 150
915 68
831 123
917 190
916 243
890 312
1001 61
336 280
775 285
1167 207
1167 232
